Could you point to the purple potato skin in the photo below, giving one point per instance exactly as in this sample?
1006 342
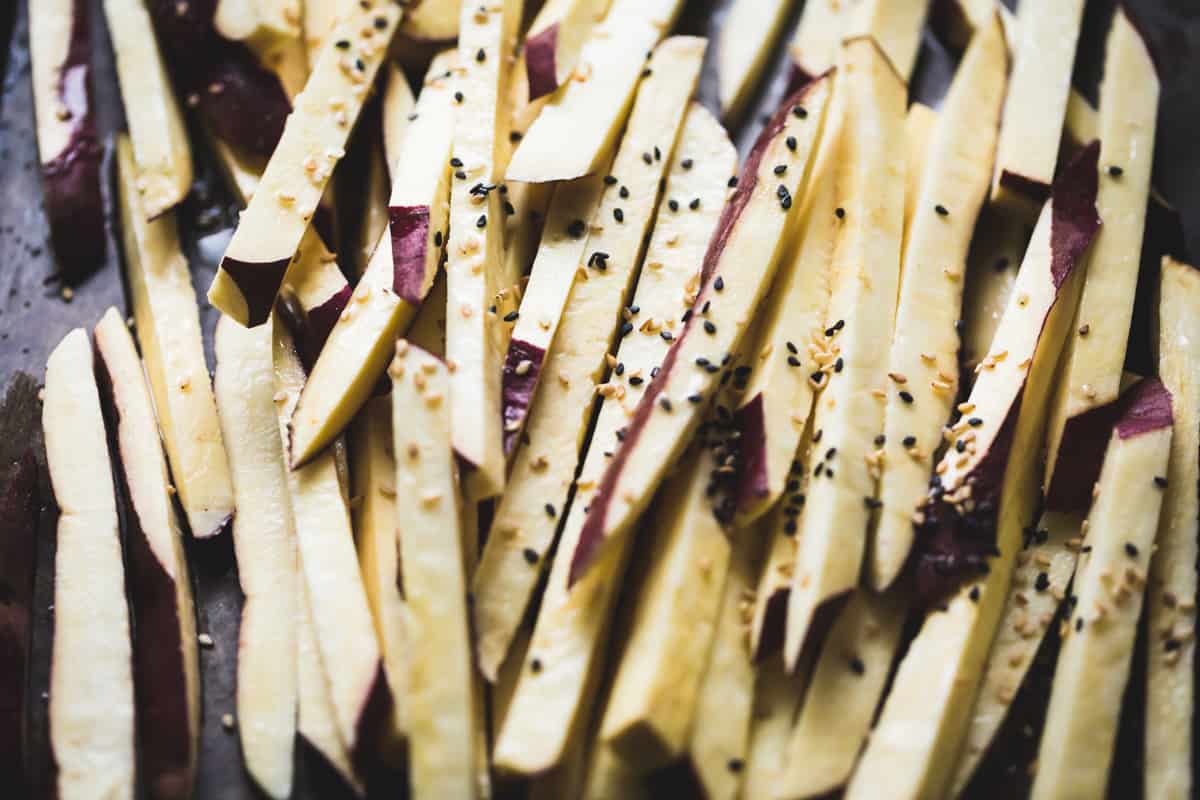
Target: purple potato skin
245 104
541 62
18 544
71 178
753 479
953 546
517 389
160 685
409 227
591 538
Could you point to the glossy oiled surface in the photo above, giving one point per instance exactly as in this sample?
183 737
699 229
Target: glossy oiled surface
33 317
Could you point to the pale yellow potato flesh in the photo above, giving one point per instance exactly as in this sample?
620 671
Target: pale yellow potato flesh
442 707
818 39
846 688
919 127
360 344
376 535
923 361
778 693
1036 104
340 615
432 20
736 280
1093 664
147 485
913 750
675 609
1171 594
1095 354
91 711
720 735
475 249
896 25
160 140
316 719
865 271
793 318
264 540
168 330
579 125
574 363
747 38
315 135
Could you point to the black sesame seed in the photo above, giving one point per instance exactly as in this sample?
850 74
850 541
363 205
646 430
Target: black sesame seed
515 136
665 403
975 422
618 215
551 512
880 440
1079 623
535 666
686 163
667 336
646 157
512 316
695 398
576 228
789 527
941 210
437 239
1001 264
800 112
462 176
626 328
620 368
1172 644
701 361
872 503
695 204
735 765
791 348
1115 171
482 221
793 361
480 56
531 555
839 365
458 97
733 182
673 205
839 212
509 210
456 162
342 44
609 180
634 380
1160 481
906 396
380 23
909 441
709 327
830 453
623 193
719 284
1042 582
1131 550
657 154
791 143
781 169
857 666
974 594
960 446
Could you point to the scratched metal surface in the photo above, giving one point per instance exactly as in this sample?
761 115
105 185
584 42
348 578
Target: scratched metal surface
33 317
